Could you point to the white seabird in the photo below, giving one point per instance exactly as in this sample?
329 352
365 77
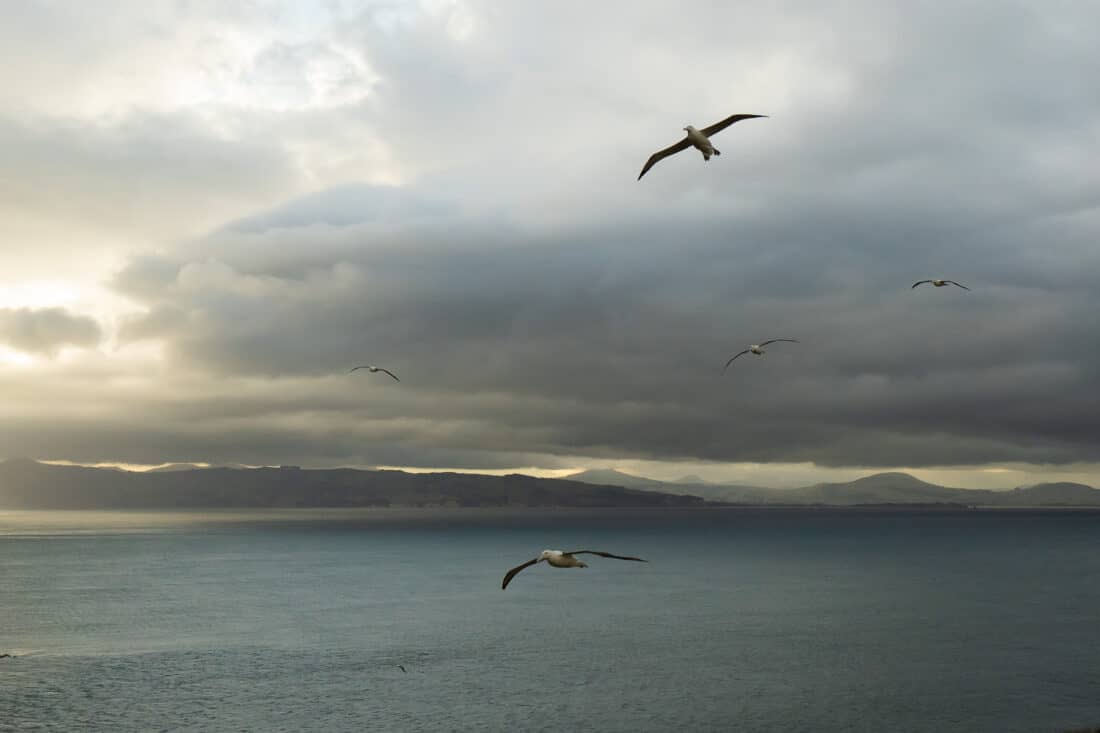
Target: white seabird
940 283
373 369
559 559
699 139
757 349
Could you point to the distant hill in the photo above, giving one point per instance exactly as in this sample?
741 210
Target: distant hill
27 484
879 489
611 477
1057 494
887 488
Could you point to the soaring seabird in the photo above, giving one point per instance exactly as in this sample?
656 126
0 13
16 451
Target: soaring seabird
757 349
698 139
559 559
373 369
939 283
402 668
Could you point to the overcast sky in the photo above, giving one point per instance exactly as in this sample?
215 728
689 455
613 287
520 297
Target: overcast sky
210 211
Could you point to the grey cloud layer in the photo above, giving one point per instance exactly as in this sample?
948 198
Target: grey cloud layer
45 330
538 302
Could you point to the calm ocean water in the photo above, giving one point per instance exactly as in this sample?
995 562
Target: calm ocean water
742 621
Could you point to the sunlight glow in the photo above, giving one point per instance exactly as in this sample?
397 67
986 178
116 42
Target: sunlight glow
41 294
10 357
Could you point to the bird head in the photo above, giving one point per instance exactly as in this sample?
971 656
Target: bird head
688 128
545 554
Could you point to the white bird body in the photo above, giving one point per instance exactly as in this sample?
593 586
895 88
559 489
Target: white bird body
558 559
755 349
701 142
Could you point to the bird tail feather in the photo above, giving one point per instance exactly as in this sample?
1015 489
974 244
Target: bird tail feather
717 151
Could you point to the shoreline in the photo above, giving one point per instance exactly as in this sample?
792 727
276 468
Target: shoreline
173 515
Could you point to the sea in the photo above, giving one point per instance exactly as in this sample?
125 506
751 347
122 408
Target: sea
741 620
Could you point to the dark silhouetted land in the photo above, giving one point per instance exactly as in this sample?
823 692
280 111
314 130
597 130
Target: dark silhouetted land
895 489
27 484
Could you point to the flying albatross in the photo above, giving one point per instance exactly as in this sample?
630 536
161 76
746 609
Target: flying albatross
757 349
699 139
559 559
939 283
373 369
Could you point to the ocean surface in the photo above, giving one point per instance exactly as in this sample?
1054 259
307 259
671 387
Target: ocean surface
786 620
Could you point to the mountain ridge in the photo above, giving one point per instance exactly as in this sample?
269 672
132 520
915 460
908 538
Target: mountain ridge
28 484
890 487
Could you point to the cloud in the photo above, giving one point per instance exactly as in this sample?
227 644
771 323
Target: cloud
45 330
136 173
602 344
541 305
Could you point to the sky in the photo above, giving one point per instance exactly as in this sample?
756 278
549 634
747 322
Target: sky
210 211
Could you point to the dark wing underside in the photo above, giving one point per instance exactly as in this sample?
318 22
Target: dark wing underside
773 341
727 366
387 371
512 573
959 284
604 554
670 150
920 282
719 126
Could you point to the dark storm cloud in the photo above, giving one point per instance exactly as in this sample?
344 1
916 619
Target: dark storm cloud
610 342
45 330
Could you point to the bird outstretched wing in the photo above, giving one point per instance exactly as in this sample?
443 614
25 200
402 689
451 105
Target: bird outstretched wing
387 371
727 366
670 150
512 573
358 367
920 282
719 126
773 341
955 283
604 554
